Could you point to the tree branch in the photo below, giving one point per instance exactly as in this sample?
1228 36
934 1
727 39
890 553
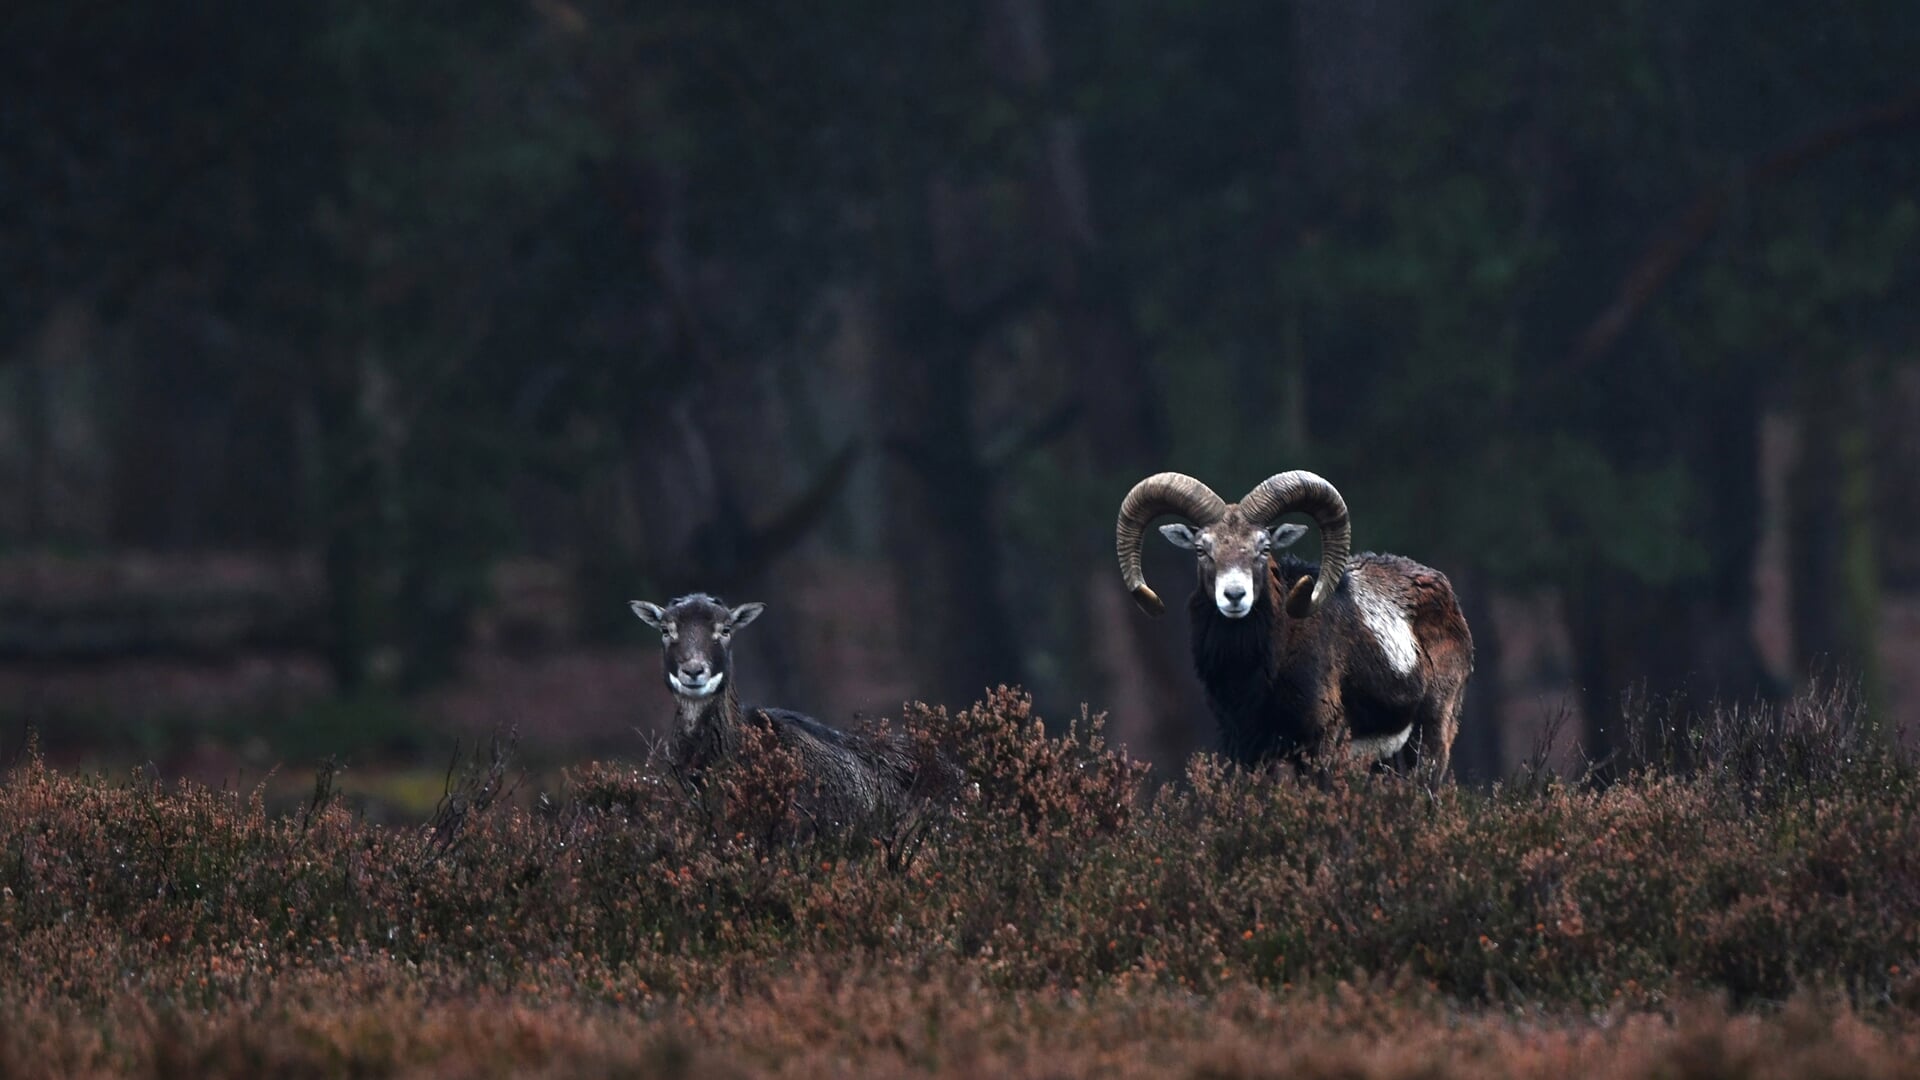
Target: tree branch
792 522
1056 422
1679 239
914 453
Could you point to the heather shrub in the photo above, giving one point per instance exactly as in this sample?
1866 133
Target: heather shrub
827 1024
1814 744
1045 865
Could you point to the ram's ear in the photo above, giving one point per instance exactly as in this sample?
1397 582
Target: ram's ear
1286 535
651 614
1180 535
744 614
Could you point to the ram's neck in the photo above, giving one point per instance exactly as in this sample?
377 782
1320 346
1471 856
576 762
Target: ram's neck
1235 648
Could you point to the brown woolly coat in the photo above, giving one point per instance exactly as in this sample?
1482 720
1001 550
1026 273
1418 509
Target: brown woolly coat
852 778
1286 688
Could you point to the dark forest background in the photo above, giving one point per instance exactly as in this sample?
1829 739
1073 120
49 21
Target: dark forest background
360 361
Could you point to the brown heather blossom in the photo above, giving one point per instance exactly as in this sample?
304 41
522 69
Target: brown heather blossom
1755 918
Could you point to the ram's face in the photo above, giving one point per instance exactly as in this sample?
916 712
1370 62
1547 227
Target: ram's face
696 636
1232 558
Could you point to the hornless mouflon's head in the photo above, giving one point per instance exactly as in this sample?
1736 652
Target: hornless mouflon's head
1231 542
697 633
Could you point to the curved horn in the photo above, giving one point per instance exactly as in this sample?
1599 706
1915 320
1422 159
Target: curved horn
1161 493
1307 492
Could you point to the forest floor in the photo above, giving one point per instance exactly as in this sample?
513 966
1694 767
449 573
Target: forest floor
1743 900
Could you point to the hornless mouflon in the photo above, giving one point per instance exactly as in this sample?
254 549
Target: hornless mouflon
857 779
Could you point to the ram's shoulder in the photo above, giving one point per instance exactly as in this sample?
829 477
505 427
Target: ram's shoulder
1383 567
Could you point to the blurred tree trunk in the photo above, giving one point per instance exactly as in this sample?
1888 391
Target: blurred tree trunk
1124 432
1682 645
1354 60
450 542
941 526
1126 438
1724 659
146 461
681 509
1859 565
349 516
1835 577
1601 664
657 482
37 434
1478 755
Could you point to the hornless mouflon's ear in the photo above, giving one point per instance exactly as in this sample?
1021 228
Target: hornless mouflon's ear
745 614
1286 535
651 614
1180 535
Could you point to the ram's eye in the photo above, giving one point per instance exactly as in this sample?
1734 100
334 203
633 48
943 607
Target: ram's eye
725 632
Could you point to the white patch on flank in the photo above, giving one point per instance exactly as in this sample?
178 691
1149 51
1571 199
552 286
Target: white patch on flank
1241 580
1380 747
1389 625
706 687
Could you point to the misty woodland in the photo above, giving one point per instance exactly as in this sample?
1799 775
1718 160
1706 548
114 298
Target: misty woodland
574 538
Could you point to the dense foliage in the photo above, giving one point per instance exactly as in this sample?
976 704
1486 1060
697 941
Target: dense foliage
421 289
1058 887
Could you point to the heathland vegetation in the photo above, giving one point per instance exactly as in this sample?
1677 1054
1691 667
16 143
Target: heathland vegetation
1741 898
